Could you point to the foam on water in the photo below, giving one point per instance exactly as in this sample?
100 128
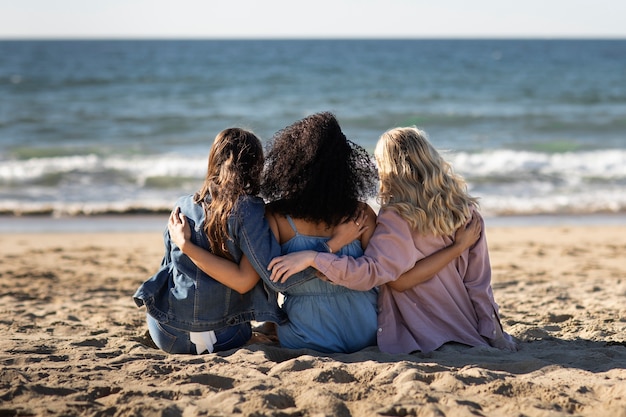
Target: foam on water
506 181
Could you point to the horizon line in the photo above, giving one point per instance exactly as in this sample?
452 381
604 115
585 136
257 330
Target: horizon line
265 38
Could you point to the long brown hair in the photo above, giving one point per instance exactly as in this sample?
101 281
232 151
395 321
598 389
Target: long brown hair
234 169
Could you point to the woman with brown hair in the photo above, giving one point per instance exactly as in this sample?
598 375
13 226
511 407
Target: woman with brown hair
188 310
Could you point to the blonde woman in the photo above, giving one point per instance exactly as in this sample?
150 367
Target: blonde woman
423 203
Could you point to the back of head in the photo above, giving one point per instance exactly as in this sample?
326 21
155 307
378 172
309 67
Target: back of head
314 173
419 184
235 163
234 170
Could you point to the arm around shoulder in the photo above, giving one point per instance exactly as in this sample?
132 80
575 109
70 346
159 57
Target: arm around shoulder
240 277
426 268
390 251
252 233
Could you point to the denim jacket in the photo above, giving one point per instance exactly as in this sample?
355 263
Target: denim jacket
183 296
252 234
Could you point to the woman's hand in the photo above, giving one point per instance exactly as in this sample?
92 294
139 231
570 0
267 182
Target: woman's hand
504 341
283 267
350 230
468 235
179 229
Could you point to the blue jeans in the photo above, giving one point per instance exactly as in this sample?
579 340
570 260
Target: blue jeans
172 340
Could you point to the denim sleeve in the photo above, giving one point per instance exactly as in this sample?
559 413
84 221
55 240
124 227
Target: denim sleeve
167 258
251 232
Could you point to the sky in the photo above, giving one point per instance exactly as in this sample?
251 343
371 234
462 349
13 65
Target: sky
28 19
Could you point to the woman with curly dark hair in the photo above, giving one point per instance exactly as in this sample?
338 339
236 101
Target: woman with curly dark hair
313 172
315 179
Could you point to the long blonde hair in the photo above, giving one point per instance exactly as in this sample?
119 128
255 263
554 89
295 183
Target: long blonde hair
234 169
419 184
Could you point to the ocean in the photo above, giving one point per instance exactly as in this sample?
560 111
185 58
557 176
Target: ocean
537 127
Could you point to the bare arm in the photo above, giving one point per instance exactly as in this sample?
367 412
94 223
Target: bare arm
362 225
426 268
240 277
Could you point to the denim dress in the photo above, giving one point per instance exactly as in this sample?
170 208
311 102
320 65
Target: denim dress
323 316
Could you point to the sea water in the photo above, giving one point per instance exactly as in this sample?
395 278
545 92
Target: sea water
97 127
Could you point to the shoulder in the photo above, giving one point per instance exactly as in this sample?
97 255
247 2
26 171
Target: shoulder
274 216
371 214
476 214
248 204
185 200
248 210
189 207
367 208
271 215
390 216
250 200
272 219
279 224
370 222
389 222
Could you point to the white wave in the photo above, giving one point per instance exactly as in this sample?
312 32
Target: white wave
608 164
506 181
584 202
601 164
138 167
24 170
162 166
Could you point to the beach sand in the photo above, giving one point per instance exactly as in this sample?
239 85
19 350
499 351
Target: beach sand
74 343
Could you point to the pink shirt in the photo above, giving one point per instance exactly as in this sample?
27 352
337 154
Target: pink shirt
456 305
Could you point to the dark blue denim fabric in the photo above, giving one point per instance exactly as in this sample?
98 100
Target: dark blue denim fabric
180 295
172 340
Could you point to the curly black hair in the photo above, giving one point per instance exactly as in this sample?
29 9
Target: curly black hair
313 172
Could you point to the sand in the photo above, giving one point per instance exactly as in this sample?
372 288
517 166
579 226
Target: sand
74 343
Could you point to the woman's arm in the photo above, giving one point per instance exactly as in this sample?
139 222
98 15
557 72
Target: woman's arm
389 253
428 267
252 234
361 226
424 269
285 266
240 277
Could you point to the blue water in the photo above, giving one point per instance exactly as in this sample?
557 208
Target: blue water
92 127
